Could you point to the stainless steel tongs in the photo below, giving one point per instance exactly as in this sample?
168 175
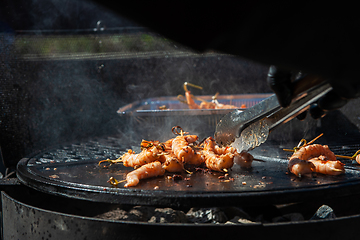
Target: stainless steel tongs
247 129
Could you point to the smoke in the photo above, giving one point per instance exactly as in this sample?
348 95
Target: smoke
59 15
68 102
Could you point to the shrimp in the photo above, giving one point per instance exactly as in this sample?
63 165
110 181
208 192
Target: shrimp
300 167
318 158
190 101
149 170
147 155
168 144
214 104
182 150
314 150
172 164
244 159
207 105
225 106
189 98
224 150
327 167
214 161
220 105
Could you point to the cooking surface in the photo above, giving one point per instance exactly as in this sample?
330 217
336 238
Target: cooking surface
72 170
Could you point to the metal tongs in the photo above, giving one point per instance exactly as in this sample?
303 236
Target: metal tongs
247 129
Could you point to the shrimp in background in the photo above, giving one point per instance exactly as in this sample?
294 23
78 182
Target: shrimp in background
190 98
223 106
190 101
214 104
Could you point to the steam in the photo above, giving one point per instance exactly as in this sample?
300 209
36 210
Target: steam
69 14
67 104
70 100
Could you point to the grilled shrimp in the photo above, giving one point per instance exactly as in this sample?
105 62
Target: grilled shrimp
223 150
147 155
244 159
214 161
318 158
149 170
327 167
314 150
168 144
182 150
300 167
357 159
172 164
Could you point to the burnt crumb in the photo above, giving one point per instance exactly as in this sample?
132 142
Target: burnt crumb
226 178
177 177
203 170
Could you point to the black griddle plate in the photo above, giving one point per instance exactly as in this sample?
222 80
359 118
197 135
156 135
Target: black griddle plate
73 171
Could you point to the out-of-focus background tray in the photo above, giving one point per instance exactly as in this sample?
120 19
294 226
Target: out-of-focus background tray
147 113
151 106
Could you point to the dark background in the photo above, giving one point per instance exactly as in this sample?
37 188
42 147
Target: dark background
49 101
57 14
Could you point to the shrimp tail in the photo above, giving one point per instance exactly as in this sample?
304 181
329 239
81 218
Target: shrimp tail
300 167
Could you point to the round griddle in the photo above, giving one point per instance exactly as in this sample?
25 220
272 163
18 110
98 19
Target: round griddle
72 170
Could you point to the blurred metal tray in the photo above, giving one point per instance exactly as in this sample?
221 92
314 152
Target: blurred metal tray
151 106
147 113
